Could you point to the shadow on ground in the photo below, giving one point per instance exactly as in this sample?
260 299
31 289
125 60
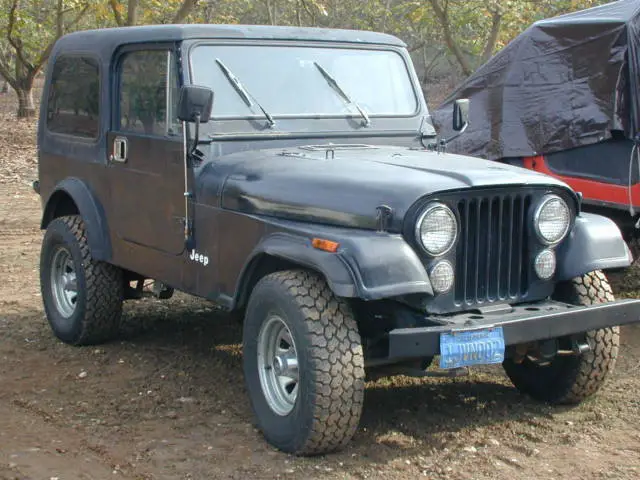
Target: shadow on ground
399 411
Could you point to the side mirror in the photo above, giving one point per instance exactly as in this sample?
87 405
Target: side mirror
195 102
460 114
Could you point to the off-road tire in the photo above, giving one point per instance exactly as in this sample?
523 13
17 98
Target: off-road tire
100 287
331 364
571 379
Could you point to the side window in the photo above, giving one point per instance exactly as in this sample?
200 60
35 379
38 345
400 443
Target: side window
74 97
148 93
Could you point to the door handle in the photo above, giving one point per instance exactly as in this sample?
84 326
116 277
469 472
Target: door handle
119 153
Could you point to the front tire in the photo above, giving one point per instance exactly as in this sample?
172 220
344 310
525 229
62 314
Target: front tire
303 363
572 379
82 297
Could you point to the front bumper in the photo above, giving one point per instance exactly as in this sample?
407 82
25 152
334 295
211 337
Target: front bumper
522 324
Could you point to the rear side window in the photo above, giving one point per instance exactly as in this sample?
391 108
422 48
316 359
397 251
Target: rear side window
73 106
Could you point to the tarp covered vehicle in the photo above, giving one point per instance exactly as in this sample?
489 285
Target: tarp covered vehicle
563 99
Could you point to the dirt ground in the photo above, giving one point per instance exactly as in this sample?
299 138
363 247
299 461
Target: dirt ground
167 400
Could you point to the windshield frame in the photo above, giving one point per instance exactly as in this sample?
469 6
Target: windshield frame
418 98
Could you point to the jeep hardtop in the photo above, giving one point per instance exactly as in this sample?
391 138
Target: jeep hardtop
293 177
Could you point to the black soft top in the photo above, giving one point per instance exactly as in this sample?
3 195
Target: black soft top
106 40
565 82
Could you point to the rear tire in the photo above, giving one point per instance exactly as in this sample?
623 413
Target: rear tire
571 379
82 297
303 363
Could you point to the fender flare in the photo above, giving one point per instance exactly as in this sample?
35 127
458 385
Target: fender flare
368 265
595 243
89 208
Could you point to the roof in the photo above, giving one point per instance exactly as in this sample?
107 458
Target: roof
620 11
110 38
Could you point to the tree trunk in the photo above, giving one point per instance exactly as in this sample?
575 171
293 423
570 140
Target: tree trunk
184 11
132 13
496 22
26 109
443 16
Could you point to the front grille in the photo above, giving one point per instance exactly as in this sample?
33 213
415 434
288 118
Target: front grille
492 251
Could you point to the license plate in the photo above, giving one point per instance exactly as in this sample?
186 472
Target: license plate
471 347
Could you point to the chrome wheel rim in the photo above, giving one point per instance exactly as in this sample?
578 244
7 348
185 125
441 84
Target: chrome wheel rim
278 365
64 285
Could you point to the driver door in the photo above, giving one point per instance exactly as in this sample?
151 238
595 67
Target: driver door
146 163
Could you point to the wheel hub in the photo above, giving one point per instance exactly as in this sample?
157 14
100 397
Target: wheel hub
278 365
64 285
286 365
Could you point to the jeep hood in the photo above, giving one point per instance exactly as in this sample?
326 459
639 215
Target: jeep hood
344 186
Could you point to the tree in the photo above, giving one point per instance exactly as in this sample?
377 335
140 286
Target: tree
134 12
472 30
447 38
28 31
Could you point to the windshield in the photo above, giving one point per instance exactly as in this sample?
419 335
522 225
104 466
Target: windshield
286 81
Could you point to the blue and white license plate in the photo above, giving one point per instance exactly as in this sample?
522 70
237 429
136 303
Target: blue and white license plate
471 347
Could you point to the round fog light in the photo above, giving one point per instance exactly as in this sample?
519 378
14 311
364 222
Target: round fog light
441 277
545 264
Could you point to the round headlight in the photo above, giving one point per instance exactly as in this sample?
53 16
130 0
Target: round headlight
441 277
552 219
545 264
437 229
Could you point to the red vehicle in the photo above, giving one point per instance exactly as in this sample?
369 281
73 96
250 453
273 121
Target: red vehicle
607 176
563 99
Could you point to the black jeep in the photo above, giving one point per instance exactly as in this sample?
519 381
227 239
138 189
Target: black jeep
313 198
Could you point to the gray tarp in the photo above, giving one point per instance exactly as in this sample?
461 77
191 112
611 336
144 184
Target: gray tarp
565 82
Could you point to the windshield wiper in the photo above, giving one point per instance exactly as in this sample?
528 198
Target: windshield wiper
248 99
366 121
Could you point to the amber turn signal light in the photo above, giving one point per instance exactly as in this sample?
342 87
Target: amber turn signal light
326 245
